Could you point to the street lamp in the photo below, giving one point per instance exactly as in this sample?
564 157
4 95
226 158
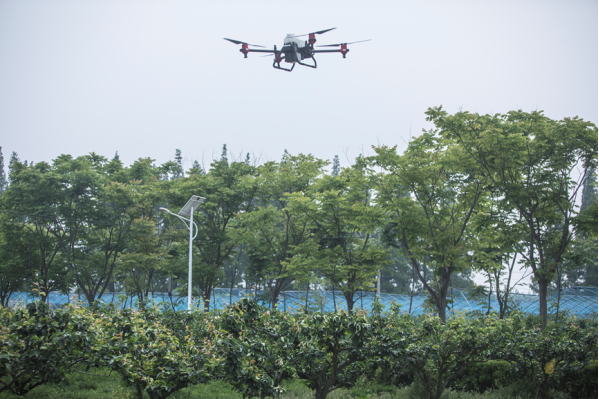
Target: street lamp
194 202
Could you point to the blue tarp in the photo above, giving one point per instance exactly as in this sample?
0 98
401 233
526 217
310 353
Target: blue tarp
578 301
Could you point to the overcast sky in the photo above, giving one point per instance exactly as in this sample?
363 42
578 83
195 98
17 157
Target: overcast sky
147 77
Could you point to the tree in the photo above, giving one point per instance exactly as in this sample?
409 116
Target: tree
432 225
581 265
15 268
589 190
545 355
499 249
530 159
332 350
437 352
13 164
28 204
235 269
396 277
178 173
343 218
223 155
3 180
77 221
274 231
229 189
196 168
142 258
336 166
158 353
40 345
261 347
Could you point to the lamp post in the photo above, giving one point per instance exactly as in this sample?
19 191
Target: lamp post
194 202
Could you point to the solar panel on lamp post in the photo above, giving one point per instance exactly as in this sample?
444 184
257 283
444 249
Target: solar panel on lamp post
194 202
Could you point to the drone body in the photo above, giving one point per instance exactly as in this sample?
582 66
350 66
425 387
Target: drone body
295 50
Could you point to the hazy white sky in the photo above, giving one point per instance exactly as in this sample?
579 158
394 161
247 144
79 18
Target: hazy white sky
146 77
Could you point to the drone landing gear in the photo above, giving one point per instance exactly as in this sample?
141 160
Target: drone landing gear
308 65
277 65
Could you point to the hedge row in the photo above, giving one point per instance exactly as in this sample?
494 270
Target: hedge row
254 349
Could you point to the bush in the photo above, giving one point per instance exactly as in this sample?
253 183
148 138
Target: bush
153 357
40 345
482 377
548 358
581 383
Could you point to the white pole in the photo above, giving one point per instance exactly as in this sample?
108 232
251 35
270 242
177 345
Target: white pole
190 255
378 284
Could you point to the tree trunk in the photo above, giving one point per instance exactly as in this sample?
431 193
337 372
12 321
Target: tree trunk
320 393
442 295
307 293
206 292
412 292
543 283
349 299
275 290
140 394
559 292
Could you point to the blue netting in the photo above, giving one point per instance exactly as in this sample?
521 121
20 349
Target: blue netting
578 301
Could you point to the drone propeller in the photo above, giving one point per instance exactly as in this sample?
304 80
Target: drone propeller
343 44
320 32
239 42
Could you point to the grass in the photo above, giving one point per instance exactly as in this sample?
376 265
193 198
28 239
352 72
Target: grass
84 386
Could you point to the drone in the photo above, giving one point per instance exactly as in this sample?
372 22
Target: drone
295 50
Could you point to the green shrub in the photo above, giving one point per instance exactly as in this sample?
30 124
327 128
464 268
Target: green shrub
152 357
482 377
548 358
581 383
39 345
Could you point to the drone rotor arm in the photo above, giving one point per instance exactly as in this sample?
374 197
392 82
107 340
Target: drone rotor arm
326 51
251 50
343 47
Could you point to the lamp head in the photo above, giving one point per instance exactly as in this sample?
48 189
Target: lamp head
195 201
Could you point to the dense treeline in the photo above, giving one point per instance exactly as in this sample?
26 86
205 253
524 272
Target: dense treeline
478 193
255 349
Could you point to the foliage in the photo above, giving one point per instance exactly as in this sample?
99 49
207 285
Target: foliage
430 196
439 352
229 189
422 220
14 273
259 350
327 351
483 377
274 232
261 346
343 218
157 353
546 357
40 345
143 257
529 160
331 350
